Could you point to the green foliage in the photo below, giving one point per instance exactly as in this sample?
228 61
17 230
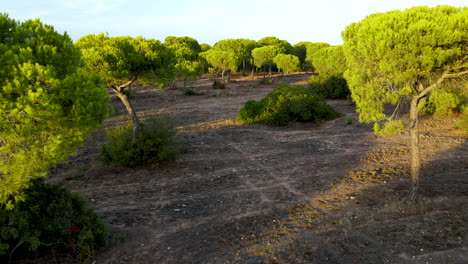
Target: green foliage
390 128
185 47
48 104
463 124
51 218
330 87
282 46
205 47
155 143
300 50
241 47
266 81
286 104
222 60
402 52
119 59
287 62
441 103
311 48
330 64
449 99
186 52
264 55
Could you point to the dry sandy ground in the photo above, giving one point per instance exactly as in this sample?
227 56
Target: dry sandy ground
306 193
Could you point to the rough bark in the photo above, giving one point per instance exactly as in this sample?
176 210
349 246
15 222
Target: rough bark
415 150
421 92
131 111
120 92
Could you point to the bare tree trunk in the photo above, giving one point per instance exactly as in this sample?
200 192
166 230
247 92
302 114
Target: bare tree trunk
131 111
119 91
414 127
415 149
243 66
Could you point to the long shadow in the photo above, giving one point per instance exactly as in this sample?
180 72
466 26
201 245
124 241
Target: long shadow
302 233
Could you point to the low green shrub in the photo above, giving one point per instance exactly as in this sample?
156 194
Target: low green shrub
463 124
286 104
440 103
449 99
330 87
390 128
51 218
156 142
266 81
190 92
219 84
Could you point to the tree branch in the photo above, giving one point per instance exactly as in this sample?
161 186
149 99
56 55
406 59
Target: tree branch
455 75
127 84
445 75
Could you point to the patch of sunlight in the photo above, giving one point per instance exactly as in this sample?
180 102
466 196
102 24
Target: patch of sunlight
212 124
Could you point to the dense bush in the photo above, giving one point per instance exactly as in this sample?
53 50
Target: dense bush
330 87
266 81
330 63
50 218
189 92
155 142
447 100
389 128
219 84
286 104
463 124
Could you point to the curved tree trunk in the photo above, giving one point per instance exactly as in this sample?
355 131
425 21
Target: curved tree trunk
131 111
119 91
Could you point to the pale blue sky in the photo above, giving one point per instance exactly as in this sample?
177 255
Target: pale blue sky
208 21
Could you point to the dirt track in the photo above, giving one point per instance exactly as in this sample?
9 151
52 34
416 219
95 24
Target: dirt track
306 193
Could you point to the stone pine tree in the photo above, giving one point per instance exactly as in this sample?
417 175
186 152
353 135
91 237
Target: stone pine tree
123 60
264 56
241 47
287 62
186 50
300 50
221 60
330 64
405 53
48 104
281 45
311 48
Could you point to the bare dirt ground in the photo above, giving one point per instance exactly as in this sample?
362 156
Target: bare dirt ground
306 193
